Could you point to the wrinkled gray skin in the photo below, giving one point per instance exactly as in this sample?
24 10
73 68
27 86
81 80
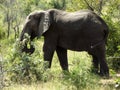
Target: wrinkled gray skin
78 31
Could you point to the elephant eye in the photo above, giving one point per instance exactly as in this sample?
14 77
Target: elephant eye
30 17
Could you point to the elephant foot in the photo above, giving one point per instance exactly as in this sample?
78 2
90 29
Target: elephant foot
104 74
64 68
46 65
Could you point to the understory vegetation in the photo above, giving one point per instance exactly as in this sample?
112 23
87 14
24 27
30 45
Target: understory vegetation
28 71
21 71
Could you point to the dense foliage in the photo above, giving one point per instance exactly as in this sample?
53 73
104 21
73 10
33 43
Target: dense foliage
20 67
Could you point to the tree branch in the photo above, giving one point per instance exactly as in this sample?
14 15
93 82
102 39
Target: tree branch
89 7
100 7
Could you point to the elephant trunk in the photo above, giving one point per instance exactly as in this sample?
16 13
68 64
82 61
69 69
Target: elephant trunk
28 50
25 39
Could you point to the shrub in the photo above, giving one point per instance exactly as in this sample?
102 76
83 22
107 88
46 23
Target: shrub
113 38
113 43
114 63
80 76
22 67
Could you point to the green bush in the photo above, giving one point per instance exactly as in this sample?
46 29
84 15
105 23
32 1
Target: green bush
113 42
113 38
114 63
80 77
22 67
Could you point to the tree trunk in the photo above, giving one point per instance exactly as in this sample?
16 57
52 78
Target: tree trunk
8 25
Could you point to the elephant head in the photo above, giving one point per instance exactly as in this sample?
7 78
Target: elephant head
36 24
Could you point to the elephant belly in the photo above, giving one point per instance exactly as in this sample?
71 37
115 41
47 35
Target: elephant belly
74 45
77 42
79 38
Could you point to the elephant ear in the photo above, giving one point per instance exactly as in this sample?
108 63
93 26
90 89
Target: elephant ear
44 23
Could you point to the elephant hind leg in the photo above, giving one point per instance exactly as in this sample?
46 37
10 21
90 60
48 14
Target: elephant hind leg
99 52
95 63
62 55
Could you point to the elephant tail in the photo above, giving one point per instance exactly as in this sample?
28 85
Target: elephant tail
106 32
105 27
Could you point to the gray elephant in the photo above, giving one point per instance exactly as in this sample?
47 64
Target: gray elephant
78 31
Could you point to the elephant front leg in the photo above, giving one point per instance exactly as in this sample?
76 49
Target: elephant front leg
48 55
62 55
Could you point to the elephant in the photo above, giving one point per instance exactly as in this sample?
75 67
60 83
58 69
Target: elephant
82 30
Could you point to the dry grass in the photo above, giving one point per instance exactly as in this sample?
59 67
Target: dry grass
52 86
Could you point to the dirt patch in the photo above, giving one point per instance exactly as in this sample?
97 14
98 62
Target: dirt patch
111 80
107 81
118 75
